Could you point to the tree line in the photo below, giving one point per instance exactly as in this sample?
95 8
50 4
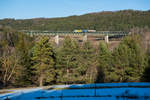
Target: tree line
25 61
123 20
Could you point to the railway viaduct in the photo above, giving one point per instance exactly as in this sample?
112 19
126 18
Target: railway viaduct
100 35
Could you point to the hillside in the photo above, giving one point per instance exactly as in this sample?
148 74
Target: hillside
101 21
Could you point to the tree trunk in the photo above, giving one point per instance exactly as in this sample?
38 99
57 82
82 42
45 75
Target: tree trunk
41 80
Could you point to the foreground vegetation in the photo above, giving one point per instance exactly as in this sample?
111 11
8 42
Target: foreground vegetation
26 62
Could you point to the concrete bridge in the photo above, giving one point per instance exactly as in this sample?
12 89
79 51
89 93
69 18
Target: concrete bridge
57 34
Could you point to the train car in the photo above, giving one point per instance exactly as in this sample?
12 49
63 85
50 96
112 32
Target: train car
77 31
91 30
84 31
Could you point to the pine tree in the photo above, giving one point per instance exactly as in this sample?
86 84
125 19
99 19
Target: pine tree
68 61
121 63
146 74
129 59
44 61
87 68
22 50
104 62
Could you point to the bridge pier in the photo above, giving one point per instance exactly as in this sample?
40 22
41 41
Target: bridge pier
56 38
31 35
85 38
106 39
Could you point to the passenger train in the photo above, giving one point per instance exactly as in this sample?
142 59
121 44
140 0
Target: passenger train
83 31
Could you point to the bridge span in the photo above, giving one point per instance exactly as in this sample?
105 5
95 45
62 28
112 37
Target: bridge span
109 33
85 35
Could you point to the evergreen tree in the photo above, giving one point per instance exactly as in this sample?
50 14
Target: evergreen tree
129 59
104 62
121 63
22 50
68 61
87 68
44 61
146 74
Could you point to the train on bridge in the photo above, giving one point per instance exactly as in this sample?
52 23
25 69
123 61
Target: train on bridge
84 31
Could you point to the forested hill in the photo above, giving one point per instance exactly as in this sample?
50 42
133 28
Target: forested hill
101 21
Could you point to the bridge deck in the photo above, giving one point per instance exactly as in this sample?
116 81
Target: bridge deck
75 33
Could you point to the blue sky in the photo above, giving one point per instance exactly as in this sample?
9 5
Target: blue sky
25 9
